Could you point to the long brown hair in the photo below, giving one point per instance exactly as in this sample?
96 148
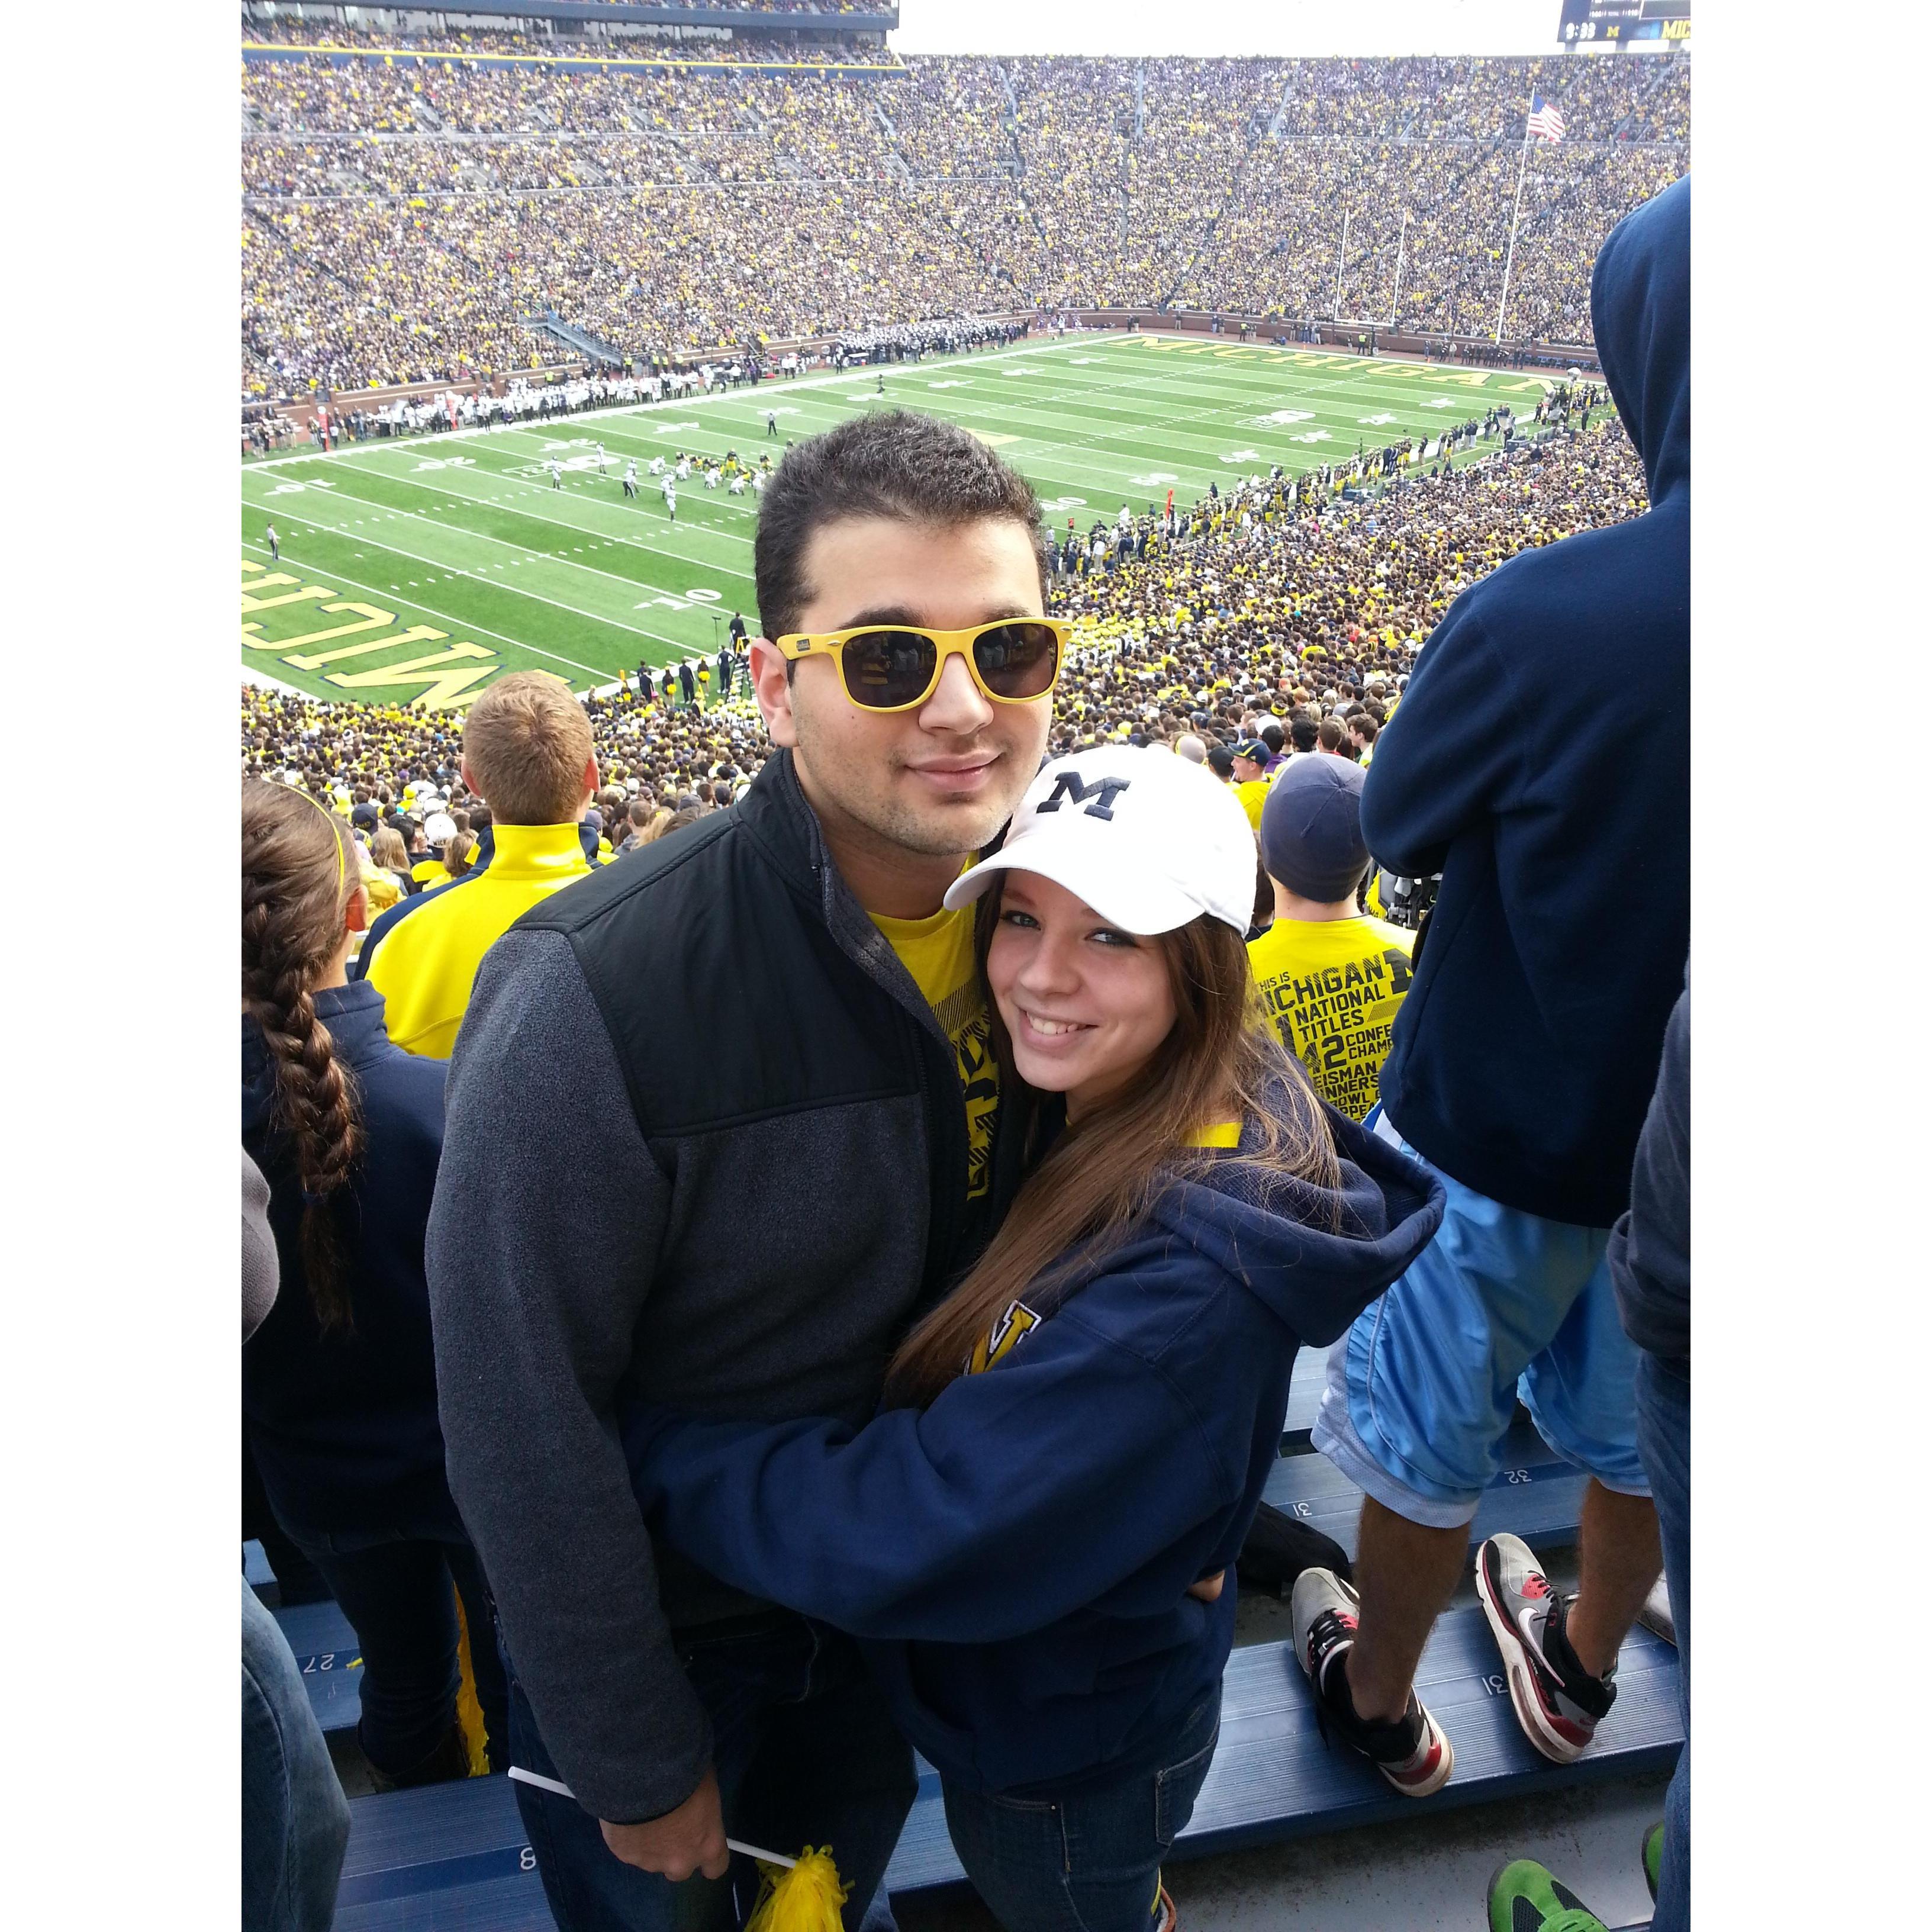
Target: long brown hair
1104 1173
299 874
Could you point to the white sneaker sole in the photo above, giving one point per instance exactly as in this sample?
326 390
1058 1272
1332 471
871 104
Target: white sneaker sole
1442 1772
1519 1673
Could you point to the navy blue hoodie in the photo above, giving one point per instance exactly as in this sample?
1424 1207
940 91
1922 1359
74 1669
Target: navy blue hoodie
344 1430
1540 762
1017 1555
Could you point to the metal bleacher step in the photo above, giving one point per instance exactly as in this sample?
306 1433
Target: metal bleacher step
454 1855
1536 1494
330 1659
326 1650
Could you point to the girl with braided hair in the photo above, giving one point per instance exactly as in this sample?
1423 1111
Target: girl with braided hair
339 1383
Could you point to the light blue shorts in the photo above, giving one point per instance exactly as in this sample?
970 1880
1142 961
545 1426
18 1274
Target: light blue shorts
1501 1304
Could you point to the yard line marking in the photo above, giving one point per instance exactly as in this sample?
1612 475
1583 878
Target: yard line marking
576 610
482 630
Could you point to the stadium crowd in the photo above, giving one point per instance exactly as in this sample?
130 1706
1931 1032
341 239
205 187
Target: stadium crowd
725 1180
399 222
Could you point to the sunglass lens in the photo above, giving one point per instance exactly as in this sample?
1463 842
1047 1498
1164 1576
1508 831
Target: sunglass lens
1017 660
886 669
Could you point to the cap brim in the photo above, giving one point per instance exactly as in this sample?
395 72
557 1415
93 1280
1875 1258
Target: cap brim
1129 900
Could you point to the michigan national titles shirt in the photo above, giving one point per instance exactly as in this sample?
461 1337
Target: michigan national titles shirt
1331 989
938 953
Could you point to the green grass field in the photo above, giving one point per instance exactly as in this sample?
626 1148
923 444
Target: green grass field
413 571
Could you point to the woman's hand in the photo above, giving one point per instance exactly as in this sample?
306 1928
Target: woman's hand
1209 1588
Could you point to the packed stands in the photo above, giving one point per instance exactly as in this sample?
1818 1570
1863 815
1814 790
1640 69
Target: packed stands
400 220
406 224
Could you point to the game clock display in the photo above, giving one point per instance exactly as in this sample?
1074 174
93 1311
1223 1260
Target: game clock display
1620 21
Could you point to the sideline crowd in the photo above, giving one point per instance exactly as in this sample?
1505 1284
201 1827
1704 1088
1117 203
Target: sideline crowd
988 1076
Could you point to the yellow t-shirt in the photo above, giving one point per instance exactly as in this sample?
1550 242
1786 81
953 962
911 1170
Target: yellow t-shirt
938 953
1332 988
1253 795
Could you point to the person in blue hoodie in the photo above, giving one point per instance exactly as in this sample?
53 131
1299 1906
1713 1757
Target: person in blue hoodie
338 1385
1030 1538
1540 762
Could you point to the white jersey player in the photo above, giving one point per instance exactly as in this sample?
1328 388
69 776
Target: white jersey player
671 498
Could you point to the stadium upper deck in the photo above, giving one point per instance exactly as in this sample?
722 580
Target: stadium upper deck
400 220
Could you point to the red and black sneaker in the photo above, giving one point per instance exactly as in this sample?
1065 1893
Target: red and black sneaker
1558 1702
1413 1752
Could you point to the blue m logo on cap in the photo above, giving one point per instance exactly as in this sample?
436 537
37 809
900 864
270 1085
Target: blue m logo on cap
1070 784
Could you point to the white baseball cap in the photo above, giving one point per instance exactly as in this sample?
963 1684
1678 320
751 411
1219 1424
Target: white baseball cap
1148 840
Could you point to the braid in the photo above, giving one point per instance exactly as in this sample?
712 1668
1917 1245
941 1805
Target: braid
315 1102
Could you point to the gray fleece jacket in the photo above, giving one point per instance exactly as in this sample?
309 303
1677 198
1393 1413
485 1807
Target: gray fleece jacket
770 1097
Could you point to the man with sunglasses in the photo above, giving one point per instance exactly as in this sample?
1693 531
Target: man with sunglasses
806 1156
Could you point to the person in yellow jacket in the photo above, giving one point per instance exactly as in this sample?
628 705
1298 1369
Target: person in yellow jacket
527 751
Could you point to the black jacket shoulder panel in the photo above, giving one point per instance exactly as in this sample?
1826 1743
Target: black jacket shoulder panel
728 997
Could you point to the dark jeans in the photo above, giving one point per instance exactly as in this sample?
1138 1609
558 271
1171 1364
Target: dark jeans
395 1589
295 1820
1087 1859
805 1752
1663 1441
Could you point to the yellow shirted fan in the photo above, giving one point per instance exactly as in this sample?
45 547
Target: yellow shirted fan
800 1894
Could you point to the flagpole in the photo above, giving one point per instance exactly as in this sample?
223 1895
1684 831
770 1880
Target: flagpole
1509 259
1341 249
1395 306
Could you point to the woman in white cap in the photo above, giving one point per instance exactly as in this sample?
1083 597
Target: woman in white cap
1032 1533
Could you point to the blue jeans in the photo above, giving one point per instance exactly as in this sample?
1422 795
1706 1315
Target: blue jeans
1663 1436
805 1753
295 1820
1085 1859
396 1590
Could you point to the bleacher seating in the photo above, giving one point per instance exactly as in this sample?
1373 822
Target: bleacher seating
455 1854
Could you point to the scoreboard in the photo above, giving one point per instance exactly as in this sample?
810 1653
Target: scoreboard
1618 22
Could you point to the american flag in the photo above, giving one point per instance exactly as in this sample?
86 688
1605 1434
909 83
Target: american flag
1545 123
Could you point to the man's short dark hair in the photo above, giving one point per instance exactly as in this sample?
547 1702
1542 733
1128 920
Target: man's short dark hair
1271 737
1304 731
895 464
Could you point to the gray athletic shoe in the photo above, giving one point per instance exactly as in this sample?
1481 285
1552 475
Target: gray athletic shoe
1655 1615
1413 1752
1558 1702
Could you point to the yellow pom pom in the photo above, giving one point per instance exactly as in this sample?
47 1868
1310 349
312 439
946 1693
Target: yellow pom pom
805 1899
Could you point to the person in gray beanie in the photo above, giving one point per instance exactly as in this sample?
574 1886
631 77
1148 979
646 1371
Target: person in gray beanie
1330 978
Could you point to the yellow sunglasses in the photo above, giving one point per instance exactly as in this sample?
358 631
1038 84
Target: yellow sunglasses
897 667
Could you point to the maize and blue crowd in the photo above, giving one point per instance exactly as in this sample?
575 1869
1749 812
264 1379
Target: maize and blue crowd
780 1206
399 222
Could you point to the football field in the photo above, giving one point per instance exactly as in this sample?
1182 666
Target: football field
414 571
